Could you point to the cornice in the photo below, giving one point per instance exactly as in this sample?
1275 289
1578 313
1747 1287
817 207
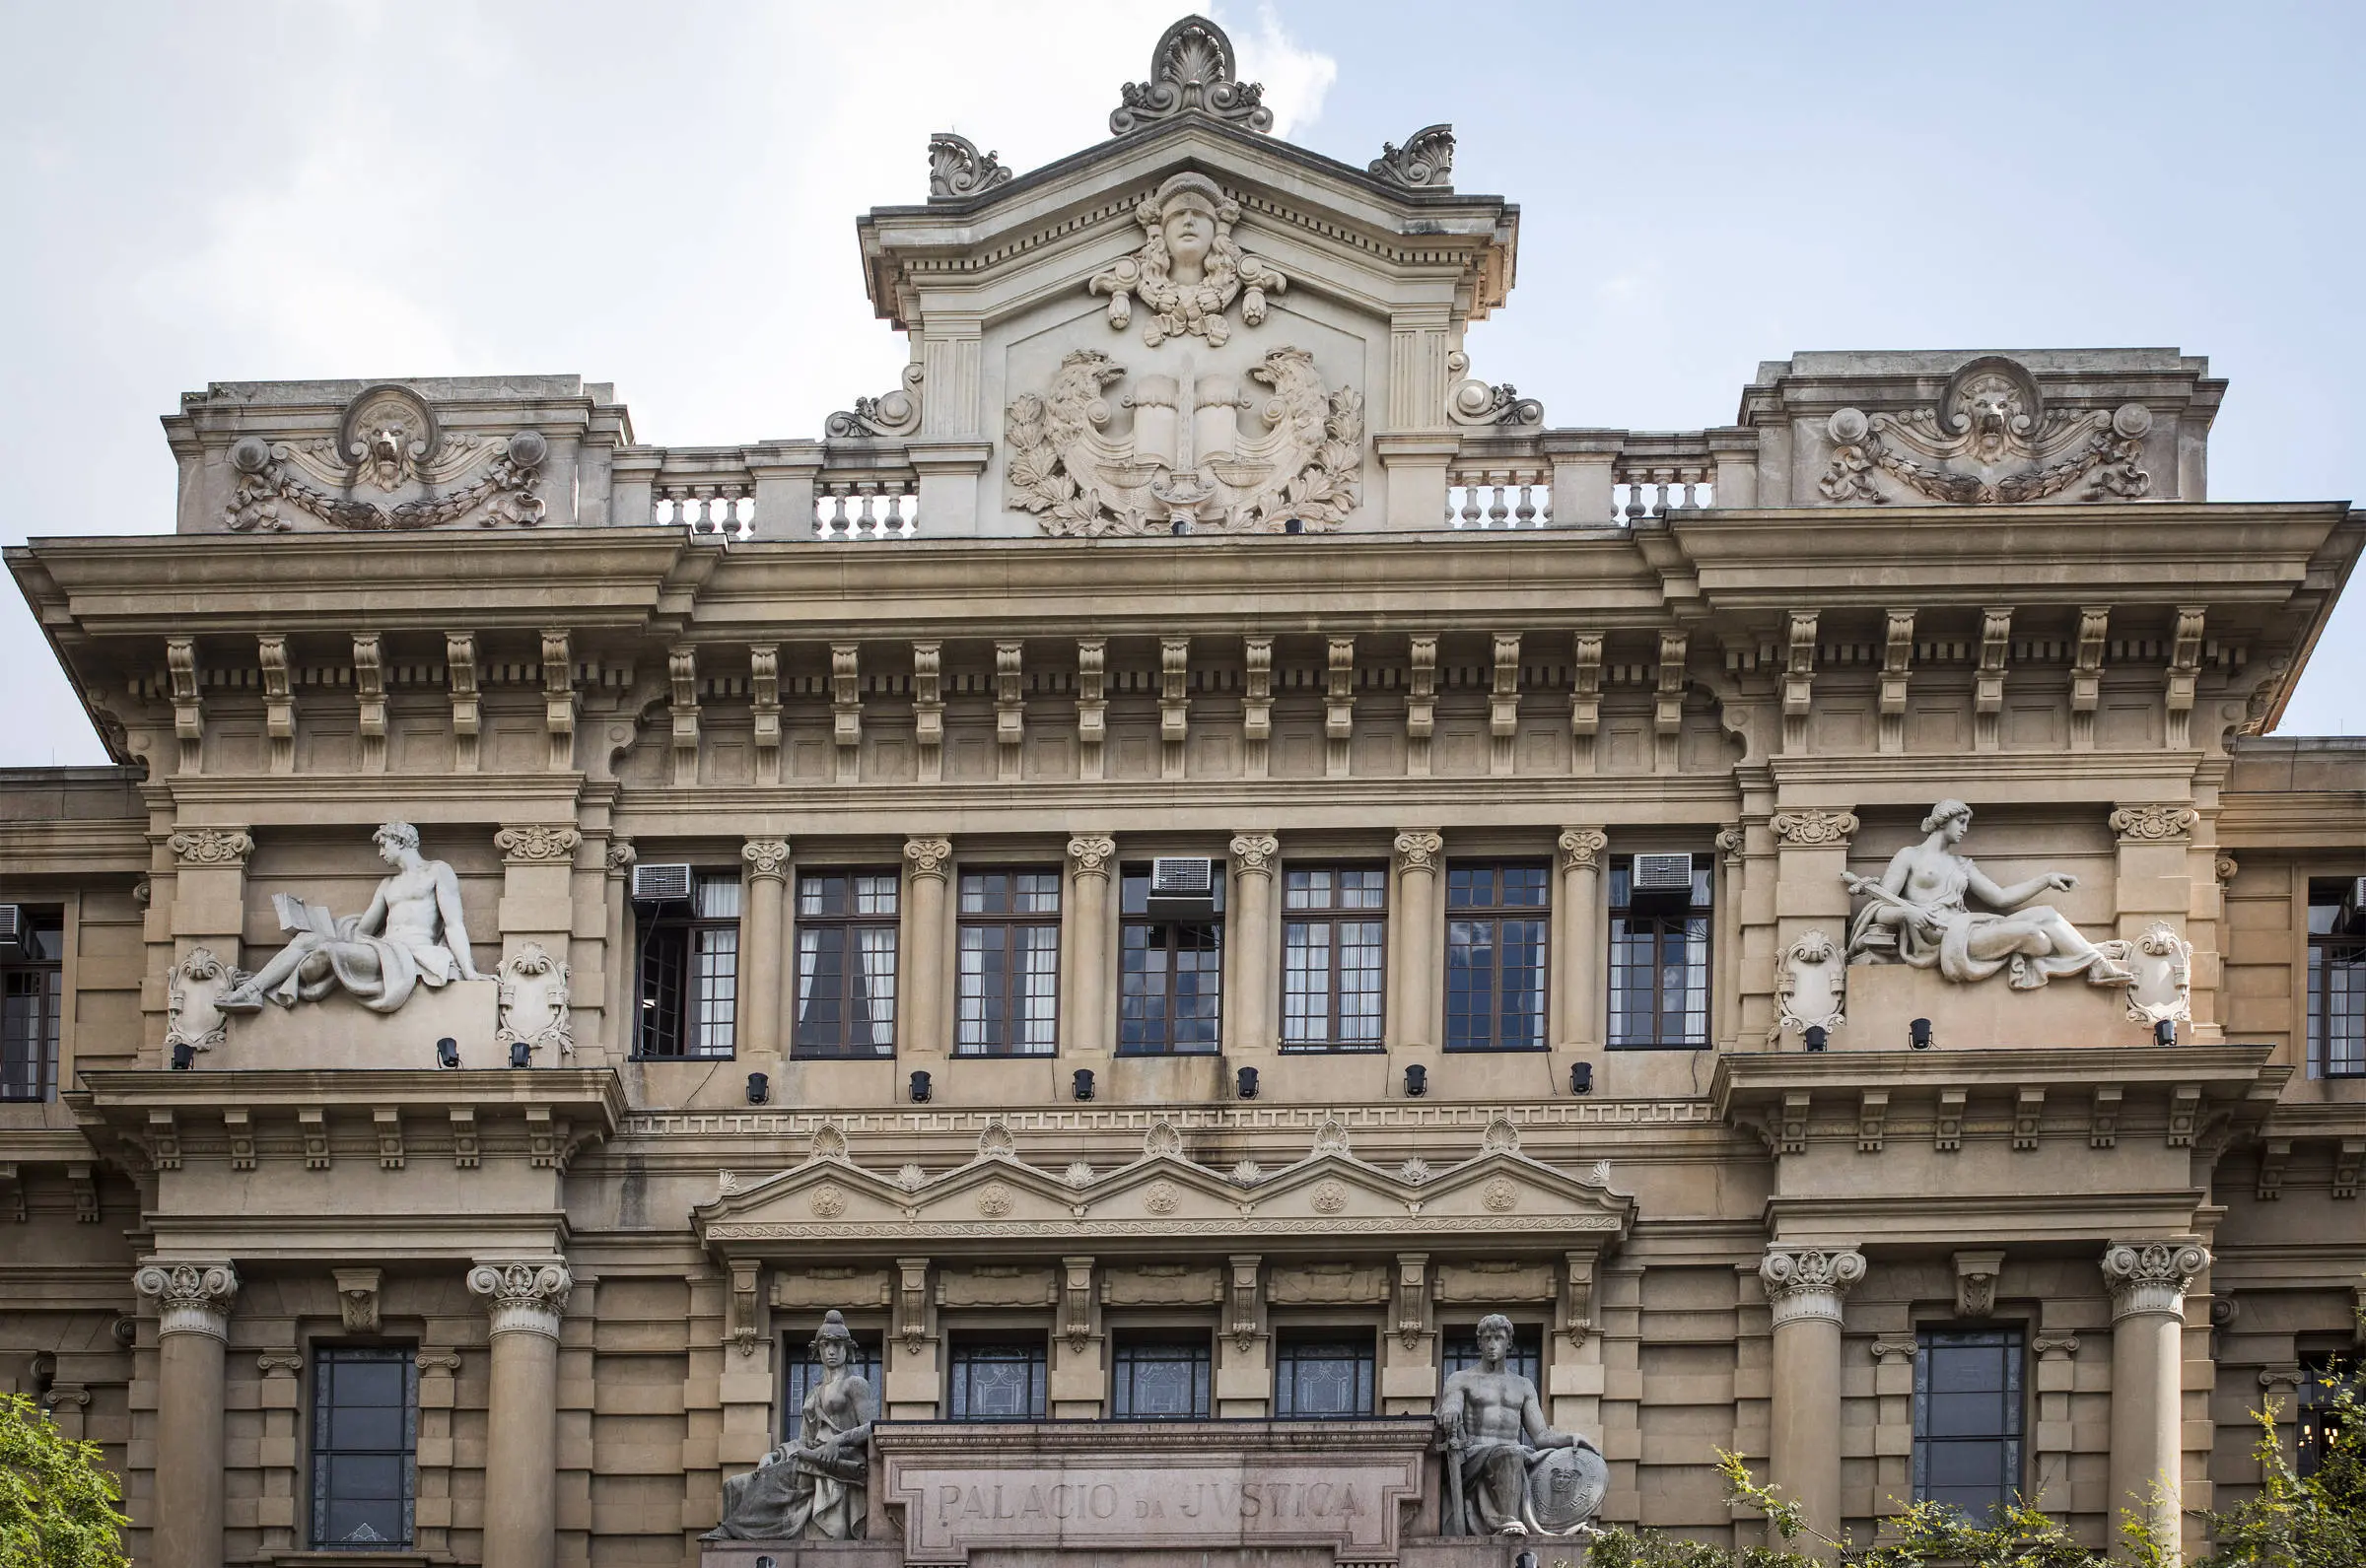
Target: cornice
82 847
1877 1222
1758 1078
114 1093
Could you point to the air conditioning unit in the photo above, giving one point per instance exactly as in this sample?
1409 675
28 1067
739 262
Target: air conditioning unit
1663 874
661 884
1183 888
12 922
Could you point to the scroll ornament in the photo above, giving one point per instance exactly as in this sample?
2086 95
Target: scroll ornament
2151 1276
534 1010
522 1296
537 843
1424 163
958 169
192 1298
890 414
1989 441
1192 71
2154 823
1474 402
191 1018
211 846
1809 1282
1814 829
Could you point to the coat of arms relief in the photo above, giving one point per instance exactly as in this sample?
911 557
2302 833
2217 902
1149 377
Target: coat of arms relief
1189 459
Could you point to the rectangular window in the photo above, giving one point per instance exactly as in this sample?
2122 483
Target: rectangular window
31 992
2338 977
1334 956
1322 1373
846 931
2323 1378
1527 1356
1659 958
1171 974
1968 1419
365 1434
690 973
802 1370
1161 1376
997 1378
1009 1001
1495 933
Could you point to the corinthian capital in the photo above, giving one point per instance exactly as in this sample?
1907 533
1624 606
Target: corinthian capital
2150 1276
766 858
211 846
1089 854
524 1295
1805 1282
1253 854
1581 848
192 1298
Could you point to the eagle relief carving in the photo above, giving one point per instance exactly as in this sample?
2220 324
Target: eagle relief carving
1186 462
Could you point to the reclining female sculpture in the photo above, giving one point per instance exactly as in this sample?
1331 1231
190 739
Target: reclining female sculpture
818 1487
1919 914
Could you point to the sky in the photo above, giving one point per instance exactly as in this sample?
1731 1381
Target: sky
664 196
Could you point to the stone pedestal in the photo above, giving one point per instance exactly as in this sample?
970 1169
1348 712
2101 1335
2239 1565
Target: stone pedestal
193 1302
338 1032
525 1298
1804 1286
2147 1283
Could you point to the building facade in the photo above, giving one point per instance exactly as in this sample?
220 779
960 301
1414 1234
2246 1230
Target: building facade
1165 868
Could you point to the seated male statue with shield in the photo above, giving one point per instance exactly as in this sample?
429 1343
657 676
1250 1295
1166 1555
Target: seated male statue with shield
1508 1472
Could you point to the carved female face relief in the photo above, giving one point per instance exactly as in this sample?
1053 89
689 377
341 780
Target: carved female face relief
1189 235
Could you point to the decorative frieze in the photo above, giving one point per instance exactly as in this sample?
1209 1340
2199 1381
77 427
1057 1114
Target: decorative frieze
211 846
2154 823
2150 1276
1807 1282
191 1297
524 1296
537 843
1814 828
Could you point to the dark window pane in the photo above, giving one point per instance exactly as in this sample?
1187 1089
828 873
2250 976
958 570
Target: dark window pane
1325 1375
365 1429
1160 1378
1967 1419
996 1380
31 995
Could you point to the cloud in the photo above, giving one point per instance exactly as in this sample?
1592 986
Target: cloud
1296 79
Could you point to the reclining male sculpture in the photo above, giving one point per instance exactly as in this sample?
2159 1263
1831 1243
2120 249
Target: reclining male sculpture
412 932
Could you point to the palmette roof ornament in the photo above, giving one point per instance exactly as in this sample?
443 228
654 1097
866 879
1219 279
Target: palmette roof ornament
956 167
1191 72
1424 163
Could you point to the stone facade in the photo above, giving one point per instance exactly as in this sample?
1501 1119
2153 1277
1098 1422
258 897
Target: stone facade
1187 535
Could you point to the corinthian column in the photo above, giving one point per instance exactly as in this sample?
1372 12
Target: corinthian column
1254 977
923 1033
193 1302
2147 1283
760 964
521 1439
1804 1287
1580 955
1084 1009
1417 938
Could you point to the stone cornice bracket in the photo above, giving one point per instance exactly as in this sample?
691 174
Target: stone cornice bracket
1581 849
537 843
2154 823
956 167
1092 704
190 1298
621 856
1814 828
1091 854
1585 698
524 1295
1975 1276
188 709
1339 705
764 707
681 675
1804 1282
1733 842
2086 676
1009 711
1578 1296
1243 1299
846 709
1174 705
928 710
1420 702
211 846
1503 704
1988 684
1418 849
1192 71
929 856
2151 1276
459 680
1257 704
1897 672
1076 1302
279 704
358 1298
1424 163
1667 704
558 697
369 699
766 859
2185 667
1798 680
1254 854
